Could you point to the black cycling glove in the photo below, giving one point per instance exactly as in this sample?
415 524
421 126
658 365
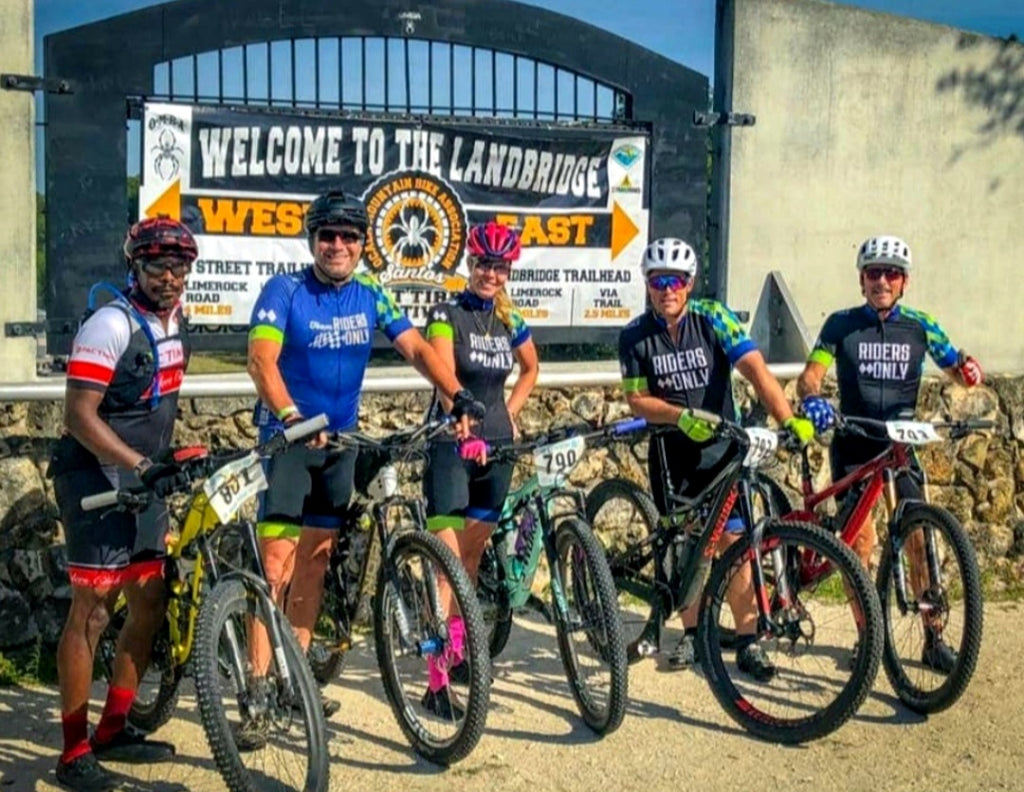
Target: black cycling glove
163 479
463 403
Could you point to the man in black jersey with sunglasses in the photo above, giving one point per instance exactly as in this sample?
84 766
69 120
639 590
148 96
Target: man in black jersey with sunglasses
676 358
879 349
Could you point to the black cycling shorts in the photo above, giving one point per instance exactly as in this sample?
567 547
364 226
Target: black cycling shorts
106 548
691 467
456 489
849 452
306 487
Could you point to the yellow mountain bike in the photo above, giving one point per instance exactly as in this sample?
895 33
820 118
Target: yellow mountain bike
216 594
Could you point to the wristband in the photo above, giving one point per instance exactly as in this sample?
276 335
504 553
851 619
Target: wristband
142 466
284 412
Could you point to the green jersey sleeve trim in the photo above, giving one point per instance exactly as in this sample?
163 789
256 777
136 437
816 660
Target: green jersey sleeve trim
266 333
440 330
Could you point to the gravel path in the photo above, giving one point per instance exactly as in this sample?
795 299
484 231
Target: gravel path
674 737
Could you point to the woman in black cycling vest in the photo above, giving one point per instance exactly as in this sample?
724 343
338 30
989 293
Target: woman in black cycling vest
480 335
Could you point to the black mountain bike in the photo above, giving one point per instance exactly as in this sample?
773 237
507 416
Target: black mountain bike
406 564
825 652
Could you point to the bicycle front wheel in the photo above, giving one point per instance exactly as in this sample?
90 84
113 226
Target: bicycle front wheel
413 632
623 517
804 670
263 719
589 631
930 589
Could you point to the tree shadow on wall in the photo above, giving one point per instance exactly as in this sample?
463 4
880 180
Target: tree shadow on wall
997 88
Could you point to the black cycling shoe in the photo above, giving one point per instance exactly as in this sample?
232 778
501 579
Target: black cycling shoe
250 734
939 656
132 748
85 774
685 654
459 674
754 661
444 704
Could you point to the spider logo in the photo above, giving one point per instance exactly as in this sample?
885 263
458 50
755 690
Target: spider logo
412 237
166 162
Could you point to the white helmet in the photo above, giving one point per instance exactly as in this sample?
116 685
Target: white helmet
669 254
884 250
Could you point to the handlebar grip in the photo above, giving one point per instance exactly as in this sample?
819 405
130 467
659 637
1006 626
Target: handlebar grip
102 500
710 417
628 425
306 428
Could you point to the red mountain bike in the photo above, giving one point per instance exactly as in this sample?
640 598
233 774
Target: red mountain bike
928 579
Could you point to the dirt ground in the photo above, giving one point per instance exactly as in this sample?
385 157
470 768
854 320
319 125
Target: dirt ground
674 736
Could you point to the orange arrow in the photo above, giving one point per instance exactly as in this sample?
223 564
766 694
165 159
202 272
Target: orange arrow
623 230
167 204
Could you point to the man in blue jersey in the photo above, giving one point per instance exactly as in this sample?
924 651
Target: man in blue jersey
310 339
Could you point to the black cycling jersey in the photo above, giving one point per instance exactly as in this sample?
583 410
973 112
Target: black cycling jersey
483 347
879 363
696 371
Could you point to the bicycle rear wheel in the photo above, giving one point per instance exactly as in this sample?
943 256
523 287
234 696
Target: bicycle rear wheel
442 726
946 608
266 729
589 631
156 698
623 518
823 638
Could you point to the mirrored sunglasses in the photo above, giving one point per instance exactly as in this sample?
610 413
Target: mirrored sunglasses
889 273
673 282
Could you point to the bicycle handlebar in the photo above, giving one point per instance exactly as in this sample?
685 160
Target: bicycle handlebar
585 431
202 467
395 442
852 424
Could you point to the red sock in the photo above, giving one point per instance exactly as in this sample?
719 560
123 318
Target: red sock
115 713
76 734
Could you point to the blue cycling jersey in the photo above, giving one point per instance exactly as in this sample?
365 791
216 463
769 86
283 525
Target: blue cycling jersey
326 336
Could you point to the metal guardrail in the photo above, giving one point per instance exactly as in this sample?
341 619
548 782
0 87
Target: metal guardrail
378 380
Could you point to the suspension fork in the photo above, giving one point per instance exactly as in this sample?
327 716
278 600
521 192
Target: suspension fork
756 530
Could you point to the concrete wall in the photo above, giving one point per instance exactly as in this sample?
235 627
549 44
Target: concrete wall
869 123
17 194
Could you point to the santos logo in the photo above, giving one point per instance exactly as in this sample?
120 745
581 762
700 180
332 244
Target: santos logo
883 360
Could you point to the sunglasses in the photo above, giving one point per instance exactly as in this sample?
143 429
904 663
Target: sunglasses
328 235
673 282
157 267
889 273
497 266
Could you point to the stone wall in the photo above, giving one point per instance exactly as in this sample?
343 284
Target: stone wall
980 479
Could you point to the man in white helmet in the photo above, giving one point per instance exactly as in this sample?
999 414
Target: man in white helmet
879 349
677 357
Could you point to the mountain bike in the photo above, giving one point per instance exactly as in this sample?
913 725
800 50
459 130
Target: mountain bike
824 637
928 577
533 521
410 625
216 593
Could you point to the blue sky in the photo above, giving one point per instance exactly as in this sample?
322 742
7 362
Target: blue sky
682 30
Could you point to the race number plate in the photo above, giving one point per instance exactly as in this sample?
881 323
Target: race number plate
763 444
233 484
912 432
556 461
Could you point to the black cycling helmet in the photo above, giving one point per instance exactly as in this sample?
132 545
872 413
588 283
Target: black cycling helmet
336 208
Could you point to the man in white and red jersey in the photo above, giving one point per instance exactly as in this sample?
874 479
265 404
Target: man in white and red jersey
126 367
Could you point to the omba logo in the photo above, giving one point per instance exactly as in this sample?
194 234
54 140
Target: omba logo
417 230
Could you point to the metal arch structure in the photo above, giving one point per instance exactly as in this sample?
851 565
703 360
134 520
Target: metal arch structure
107 63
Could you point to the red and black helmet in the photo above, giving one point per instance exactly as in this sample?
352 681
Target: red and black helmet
493 240
156 237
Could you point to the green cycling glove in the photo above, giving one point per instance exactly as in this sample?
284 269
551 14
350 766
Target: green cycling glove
801 428
697 429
